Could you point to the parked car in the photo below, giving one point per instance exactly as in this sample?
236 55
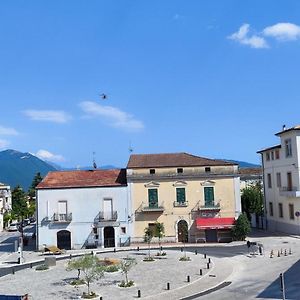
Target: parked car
32 219
25 222
14 226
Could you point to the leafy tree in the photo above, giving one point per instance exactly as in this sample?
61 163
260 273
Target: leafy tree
36 180
19 203
90 267
241 228
159 232
148 237
252 200
125 265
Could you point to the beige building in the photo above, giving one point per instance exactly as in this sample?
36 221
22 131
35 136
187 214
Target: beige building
196 198
282 182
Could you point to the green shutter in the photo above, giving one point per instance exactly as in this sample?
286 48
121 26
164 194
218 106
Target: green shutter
209 196
153 198
180 195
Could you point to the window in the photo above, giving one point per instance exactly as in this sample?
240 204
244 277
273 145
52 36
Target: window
179 170
207 169
277 154
153 198
288 147
271 209
180 195
272 155
278 179
268 156
289 181
291 211
280 210
123 230
152 171
209 196
269 181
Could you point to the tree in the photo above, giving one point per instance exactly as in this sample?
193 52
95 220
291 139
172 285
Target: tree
252 200
148 237
125 265
241 228
90 267
19 203
159 232
36 180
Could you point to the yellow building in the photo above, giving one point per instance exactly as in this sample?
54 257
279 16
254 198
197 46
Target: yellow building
196 198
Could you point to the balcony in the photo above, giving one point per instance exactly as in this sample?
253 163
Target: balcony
207 207
290 192
62 218
155 207
107 216
180 204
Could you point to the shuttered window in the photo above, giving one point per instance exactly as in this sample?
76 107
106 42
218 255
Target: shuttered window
180 195
209 196
153 198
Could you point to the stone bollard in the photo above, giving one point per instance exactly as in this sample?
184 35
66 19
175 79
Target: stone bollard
200 273
139 295
168 286
188 279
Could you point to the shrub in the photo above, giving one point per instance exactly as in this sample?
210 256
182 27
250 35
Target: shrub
184 258
90 295
241 228
148 258
112 268
128 284
42 267
77 282
161 253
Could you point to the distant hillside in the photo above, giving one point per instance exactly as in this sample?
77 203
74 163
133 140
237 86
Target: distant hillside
244 164
17 168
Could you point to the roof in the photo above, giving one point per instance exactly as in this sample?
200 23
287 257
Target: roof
84 178
297 127
269 148
206 223
173 160
250 171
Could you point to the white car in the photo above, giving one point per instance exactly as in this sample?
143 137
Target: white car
13 226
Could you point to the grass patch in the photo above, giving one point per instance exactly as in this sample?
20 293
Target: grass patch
77 282
42 267
128 284
148 258
91 295
184 258
112 268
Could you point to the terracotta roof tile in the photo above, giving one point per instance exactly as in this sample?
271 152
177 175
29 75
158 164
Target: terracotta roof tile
172 160
89 178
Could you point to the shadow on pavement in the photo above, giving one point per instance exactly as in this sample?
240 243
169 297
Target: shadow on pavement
292 283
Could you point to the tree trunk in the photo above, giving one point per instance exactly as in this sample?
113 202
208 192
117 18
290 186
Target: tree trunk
126 277
88 286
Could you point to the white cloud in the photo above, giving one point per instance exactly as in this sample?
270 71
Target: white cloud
283 31
56 116
242 37
8 131
114 116
46 155
3 143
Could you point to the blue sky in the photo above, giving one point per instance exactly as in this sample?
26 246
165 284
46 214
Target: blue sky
212 78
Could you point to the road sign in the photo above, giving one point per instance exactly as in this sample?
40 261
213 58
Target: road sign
297 214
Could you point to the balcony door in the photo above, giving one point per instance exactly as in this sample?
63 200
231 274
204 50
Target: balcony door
107 209
289 181
62 210
209 196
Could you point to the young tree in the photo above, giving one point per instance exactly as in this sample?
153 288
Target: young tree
241 228
19 203
147 238
89 266
159 232
125 265
252 200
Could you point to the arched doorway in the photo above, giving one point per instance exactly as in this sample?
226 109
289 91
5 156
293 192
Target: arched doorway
182 231
64 239
109 237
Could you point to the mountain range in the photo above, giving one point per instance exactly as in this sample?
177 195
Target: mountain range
18 168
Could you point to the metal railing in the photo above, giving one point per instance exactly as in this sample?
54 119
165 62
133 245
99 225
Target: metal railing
288 189
180 204
152 207
62 218
108 216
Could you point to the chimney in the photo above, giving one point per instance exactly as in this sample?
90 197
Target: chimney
283 127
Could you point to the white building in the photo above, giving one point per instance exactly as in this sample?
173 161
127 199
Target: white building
78 209
5 202
282 182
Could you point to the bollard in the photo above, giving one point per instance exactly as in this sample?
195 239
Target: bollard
70 256
181 249
290 251
13 270
30 265
168 286
204 255
196 252
188 279
160 248
139 294
271 254
281 252
200 272
92 252
285 254
138 248
209 261
100 298
115 250
278 255
207 265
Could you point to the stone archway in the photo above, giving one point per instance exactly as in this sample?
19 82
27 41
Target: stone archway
182 231
109 237
64 239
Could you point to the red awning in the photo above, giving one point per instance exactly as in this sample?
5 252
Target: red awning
214 223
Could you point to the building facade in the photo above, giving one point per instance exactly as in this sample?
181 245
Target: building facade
77 209
281 178
5 202
197 199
